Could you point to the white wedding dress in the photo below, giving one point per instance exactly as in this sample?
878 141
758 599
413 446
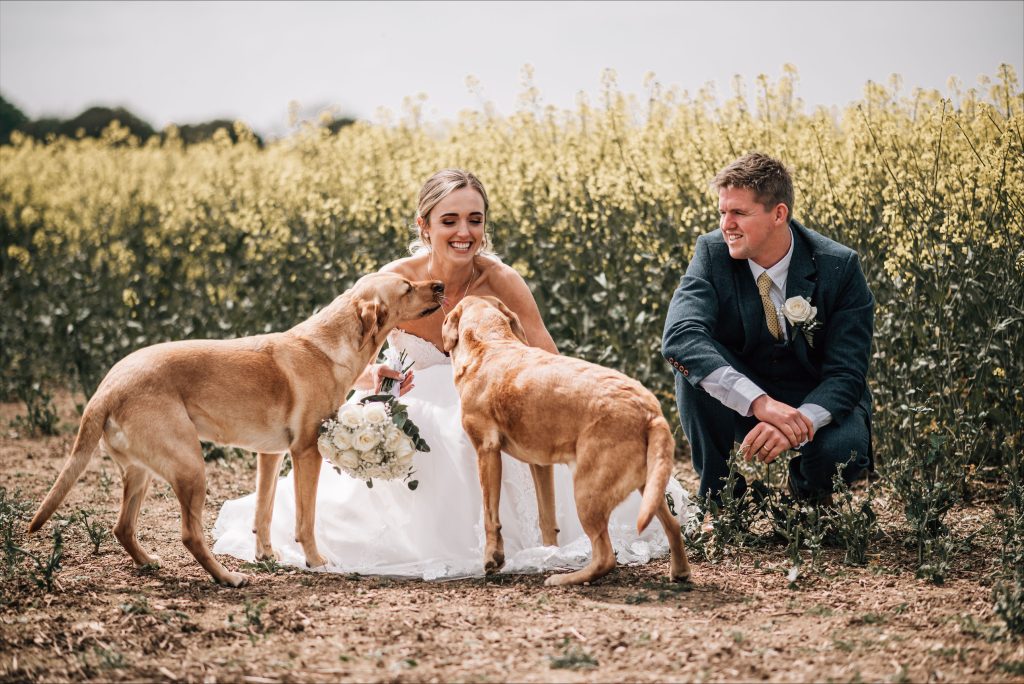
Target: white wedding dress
436 531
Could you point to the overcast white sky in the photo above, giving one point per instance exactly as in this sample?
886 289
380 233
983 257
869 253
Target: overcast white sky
186 62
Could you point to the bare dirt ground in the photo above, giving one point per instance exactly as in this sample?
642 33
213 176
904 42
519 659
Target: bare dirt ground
740 619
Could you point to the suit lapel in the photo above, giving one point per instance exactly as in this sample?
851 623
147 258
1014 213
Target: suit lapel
801 282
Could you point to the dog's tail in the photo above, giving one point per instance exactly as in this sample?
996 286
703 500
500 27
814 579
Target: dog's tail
86 443
660 454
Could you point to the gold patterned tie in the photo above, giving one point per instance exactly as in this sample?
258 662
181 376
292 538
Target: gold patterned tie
764 285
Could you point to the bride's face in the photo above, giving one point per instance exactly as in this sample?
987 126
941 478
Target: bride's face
456 228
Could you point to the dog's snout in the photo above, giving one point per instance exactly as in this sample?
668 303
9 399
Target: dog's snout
437 287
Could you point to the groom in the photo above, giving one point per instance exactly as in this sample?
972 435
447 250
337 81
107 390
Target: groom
769 333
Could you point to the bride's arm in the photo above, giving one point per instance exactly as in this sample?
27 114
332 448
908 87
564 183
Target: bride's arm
515 293
369 379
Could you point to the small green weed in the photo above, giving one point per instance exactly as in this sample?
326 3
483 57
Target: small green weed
268 565
572 658
1014 667
251 621
138 605
97 531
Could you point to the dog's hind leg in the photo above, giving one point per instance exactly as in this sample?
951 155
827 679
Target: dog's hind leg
595 501
268 467
544 485
602 561
679 568
187 476
136 480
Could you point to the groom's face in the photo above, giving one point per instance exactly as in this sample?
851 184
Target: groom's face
751 230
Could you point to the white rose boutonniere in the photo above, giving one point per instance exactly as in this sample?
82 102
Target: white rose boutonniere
801 315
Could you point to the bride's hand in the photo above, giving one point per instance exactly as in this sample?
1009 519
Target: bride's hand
380 371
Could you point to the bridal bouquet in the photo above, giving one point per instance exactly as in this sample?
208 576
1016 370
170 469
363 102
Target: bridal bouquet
374 437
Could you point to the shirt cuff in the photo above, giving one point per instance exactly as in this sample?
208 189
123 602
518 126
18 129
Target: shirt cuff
732 388
819 415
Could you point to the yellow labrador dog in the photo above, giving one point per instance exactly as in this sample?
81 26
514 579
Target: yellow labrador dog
266 393
543 408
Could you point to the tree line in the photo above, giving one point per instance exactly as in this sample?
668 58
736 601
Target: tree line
91 123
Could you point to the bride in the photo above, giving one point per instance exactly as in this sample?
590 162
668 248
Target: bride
437 530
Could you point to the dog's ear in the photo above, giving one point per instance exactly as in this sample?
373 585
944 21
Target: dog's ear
450 329
382 315
370 320
513 321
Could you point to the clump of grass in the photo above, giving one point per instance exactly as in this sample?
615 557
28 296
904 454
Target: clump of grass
269 566
97 531
251 622
44 569
41 416
41 570
572 657
13 511
1008 592
138 605
855 523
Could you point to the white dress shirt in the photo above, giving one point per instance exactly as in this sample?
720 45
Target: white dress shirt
736 390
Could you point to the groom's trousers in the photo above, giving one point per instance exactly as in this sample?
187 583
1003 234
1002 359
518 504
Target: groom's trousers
712 428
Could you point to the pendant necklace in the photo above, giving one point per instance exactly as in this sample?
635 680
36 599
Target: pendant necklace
469 283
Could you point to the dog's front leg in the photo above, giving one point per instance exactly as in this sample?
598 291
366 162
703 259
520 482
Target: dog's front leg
489 461
544 485
268 467
306 463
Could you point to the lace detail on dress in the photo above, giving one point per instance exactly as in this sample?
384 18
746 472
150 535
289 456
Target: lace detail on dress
422 352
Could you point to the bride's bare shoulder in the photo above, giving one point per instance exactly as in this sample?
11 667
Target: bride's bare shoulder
493 267
413 267
499 277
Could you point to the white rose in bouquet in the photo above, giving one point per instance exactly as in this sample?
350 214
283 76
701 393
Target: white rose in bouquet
326 446
392 438
342 439
405 449
348 459
375 413
351 416
365 439
404 457
373 457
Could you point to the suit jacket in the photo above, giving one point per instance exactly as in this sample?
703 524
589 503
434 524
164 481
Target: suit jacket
716 312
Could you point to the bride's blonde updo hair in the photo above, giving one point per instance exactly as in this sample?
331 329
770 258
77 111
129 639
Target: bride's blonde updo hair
437 187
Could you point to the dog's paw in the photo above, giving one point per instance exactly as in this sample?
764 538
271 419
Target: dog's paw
681 577
316 561
494 563
557 580
148 562
235 579
267 554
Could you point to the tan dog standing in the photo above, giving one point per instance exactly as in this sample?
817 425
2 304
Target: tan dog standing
266 393
543 408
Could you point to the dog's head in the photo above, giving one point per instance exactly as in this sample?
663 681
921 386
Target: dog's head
489 315
384 300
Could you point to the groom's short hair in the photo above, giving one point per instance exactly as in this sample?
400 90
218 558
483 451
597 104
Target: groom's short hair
767 177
